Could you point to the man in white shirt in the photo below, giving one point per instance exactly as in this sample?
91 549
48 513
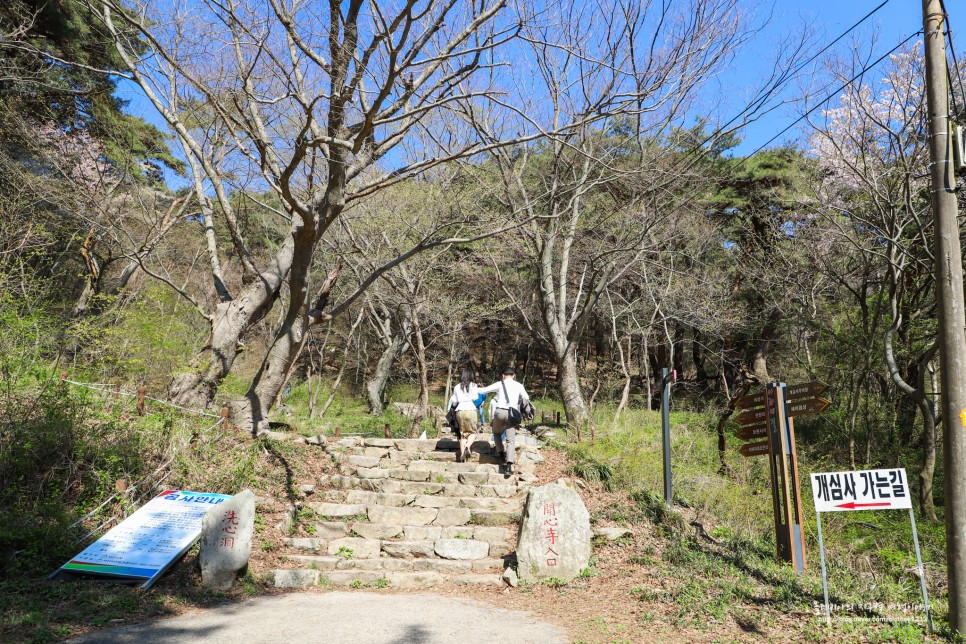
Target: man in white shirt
509 394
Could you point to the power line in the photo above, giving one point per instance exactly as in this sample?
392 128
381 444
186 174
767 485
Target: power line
834 93
799 68
733 170
952 49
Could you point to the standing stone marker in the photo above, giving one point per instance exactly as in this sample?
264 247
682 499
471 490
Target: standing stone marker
226 540
554 537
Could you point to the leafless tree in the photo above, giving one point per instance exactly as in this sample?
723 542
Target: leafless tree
874 150
308 102
607 82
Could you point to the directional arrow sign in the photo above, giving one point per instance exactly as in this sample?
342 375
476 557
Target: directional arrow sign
805 390
752 431
752 417
754 449
852 505
861 490
751 400
808 407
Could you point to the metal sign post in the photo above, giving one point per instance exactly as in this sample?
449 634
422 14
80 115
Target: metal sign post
667 377
865 490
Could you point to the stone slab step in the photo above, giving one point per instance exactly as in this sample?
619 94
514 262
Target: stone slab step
364 497
304 578
445 566
418 542
510 487
494 517
491 534
437 471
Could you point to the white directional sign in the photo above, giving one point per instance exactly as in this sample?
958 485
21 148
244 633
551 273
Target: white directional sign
865 490
861 490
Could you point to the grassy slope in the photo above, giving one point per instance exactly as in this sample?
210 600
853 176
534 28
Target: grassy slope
870 556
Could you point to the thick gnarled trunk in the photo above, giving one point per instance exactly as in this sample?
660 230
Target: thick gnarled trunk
570 393
376 385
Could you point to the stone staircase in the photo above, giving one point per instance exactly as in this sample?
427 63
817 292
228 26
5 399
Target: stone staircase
402 513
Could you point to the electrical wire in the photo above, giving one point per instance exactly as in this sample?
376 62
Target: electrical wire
861 73
952 49
799 68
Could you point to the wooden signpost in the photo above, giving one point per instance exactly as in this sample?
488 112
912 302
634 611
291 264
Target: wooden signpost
754 449
769 414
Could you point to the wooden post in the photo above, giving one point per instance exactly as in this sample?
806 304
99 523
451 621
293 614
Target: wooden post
142 390
225 413
388 431
558 418
578 433
117 388
338 432
63 376
543 417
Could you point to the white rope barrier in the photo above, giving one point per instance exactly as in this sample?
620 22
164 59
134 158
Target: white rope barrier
96 386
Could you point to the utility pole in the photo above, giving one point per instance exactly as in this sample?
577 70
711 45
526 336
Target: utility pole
949 300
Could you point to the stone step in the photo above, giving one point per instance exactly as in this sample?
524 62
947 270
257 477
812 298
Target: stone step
510 487
427 476
363 497
395 515
452 542
433 564
304 578
439 471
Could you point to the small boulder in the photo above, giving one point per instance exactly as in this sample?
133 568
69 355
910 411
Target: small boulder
510 577
226 540
613 534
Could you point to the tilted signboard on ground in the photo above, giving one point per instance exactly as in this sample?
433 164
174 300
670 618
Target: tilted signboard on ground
143 546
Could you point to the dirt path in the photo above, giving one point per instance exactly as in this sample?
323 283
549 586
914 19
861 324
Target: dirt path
358 617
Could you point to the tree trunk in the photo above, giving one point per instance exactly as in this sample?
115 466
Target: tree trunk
196 387
287 344
573 399
625 369
376 386
449 369
291 336
229 322
422 408
928 471
759 359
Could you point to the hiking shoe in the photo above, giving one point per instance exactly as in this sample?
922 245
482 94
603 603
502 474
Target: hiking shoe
508 469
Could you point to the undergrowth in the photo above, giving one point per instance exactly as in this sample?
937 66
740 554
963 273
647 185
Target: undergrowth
719 536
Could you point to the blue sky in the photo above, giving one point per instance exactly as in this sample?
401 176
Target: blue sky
825 19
